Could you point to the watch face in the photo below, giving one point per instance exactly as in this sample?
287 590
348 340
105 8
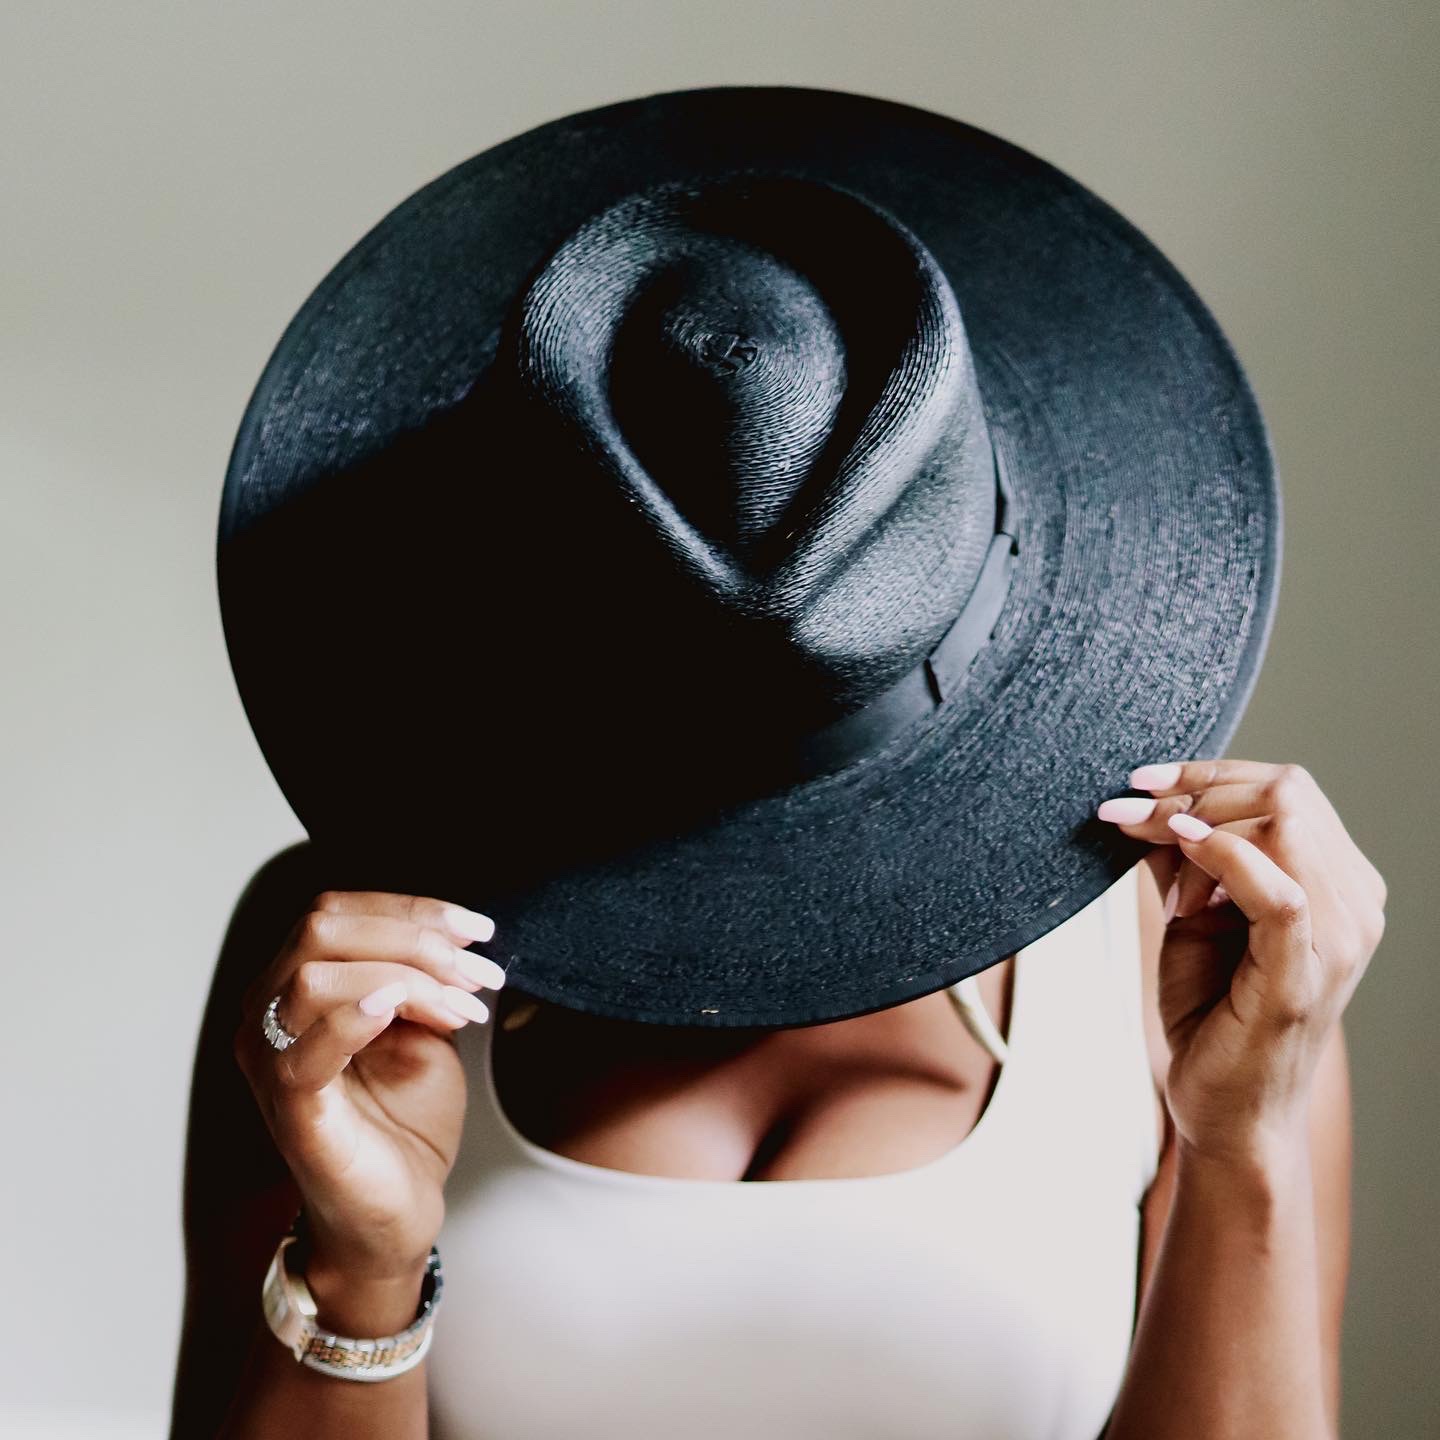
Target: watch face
432 1285
289 1309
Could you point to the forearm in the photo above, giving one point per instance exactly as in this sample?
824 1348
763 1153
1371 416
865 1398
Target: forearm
279 1398
1228 1344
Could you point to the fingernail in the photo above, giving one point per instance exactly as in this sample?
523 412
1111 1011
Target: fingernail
1155 777
479 968
1127 809
1188 827
469 923
1172 899
1218 897
462 1002
387 997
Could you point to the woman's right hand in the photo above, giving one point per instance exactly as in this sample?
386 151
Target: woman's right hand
365 1111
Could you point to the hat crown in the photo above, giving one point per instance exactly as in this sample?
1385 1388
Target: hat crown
727 374
769 369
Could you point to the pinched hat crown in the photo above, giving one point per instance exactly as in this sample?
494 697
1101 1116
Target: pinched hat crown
773 372
765 383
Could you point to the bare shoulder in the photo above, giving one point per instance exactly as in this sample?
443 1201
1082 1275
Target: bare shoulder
1155 873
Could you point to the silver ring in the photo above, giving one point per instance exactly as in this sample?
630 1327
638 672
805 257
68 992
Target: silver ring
275 1033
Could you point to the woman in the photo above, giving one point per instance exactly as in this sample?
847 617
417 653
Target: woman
746 923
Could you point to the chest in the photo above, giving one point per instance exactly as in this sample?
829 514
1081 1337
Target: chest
876 1094
956 1299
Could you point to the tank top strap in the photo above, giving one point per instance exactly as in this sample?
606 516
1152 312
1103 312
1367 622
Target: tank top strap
1077 1046
488 1143
1135 1077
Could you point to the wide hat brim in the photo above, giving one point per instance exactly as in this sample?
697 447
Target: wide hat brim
1148 566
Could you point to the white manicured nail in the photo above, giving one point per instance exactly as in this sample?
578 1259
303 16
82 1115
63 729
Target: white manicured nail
1189 827
1156 777
469 923
479 968
462 1002
1128 809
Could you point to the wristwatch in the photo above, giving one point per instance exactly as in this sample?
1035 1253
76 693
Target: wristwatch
290 1312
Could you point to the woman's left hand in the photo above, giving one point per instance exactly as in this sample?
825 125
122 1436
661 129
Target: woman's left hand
1272 920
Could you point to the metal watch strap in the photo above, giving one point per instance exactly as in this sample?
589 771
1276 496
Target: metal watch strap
290 1312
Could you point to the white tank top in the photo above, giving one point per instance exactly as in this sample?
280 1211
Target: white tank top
986 1295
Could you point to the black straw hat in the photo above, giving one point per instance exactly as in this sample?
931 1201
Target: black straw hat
736 538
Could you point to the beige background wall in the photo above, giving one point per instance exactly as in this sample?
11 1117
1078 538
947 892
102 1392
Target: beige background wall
175 178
